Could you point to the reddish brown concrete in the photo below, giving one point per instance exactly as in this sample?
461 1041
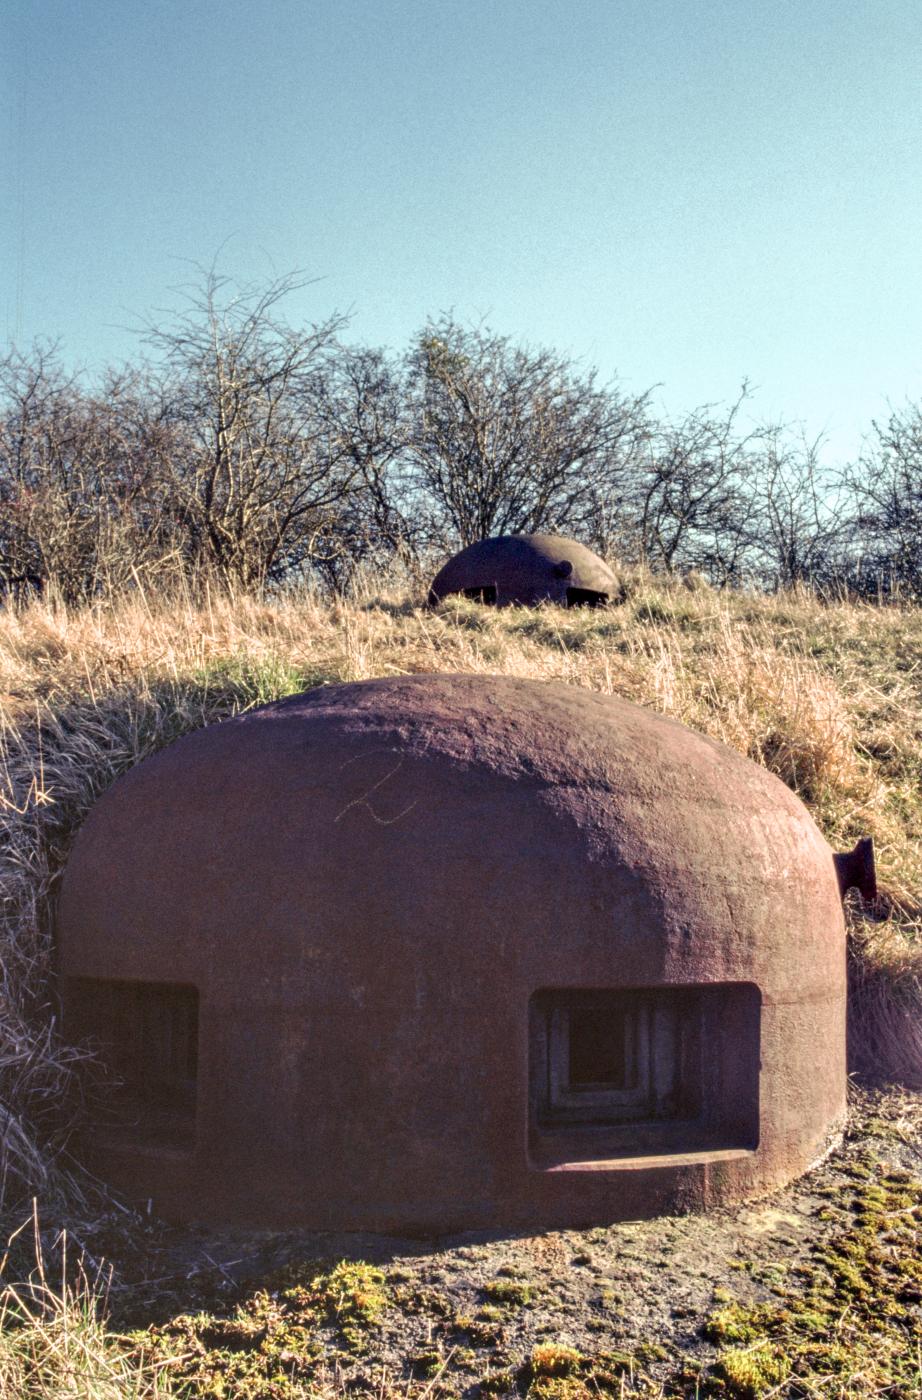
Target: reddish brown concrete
387 898
527 569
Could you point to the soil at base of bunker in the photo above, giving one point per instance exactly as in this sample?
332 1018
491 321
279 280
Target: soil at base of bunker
643 1289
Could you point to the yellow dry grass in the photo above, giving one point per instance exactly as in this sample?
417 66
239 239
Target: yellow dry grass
54 1344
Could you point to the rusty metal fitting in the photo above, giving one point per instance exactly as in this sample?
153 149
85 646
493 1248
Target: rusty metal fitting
856 870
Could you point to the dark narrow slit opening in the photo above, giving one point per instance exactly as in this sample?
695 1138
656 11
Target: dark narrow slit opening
484 594
145 1036
585 598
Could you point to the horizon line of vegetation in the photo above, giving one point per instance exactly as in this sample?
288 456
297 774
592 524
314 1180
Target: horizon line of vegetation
247 450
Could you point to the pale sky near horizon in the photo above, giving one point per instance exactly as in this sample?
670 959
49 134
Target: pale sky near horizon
685 192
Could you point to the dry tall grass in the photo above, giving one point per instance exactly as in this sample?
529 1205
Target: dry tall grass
828 697
54 1344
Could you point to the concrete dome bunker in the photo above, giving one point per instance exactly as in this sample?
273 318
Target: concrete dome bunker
526 570
454 952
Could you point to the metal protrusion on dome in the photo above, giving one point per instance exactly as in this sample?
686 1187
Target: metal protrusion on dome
856 869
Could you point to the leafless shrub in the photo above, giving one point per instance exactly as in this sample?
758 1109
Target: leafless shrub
886 486
691 499
254 453
254 477
506 440
799 525
79 506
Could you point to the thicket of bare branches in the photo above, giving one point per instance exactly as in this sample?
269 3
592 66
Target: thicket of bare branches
245 449
886 485
78 477
504 440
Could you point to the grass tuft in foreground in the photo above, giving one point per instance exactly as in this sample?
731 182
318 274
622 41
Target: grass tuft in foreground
55 1344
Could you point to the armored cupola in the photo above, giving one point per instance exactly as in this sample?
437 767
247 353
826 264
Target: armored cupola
444 952
527 569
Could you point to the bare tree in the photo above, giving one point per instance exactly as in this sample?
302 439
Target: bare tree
693 503
799 526
886 485
258 475
255 451
77 486
504 439
366 411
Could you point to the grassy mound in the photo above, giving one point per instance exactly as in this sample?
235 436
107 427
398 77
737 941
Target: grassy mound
827 696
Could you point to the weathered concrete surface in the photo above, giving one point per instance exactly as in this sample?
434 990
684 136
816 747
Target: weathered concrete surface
526 569
369 883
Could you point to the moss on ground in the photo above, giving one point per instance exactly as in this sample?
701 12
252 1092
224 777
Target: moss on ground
508 1292
278 1340
843 1323
850 1325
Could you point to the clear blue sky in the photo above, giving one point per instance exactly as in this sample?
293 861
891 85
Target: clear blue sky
682 191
